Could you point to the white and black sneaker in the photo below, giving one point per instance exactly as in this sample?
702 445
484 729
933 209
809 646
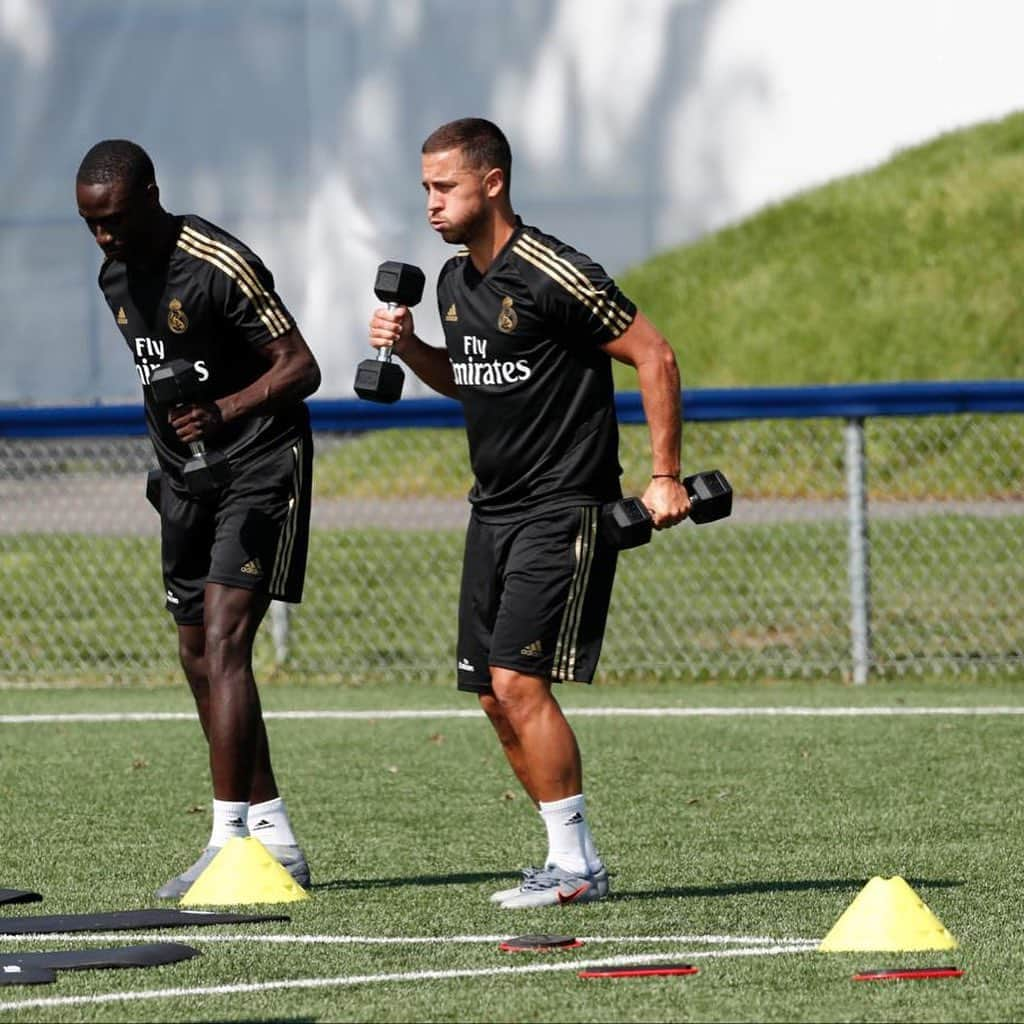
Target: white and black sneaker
555 887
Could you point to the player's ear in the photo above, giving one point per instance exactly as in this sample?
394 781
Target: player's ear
494 182
152 194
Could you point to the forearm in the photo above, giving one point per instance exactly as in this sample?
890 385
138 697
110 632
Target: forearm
430 364
291 376
659 391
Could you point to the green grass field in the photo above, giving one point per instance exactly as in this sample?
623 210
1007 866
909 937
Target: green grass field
747 826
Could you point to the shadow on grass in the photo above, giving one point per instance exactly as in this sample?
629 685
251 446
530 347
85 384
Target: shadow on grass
397 883
751 888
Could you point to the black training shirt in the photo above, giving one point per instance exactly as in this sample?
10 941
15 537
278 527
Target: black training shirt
524 343
210 301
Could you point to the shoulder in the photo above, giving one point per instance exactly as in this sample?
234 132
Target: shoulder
220 255
204 231
452 268
547 263
553 269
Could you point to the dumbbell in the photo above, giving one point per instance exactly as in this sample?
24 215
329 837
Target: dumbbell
397 284
177 383
627 523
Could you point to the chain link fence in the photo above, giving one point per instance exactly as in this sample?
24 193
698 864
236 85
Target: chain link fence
764 594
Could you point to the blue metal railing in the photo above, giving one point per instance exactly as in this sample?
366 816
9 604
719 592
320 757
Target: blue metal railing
843 401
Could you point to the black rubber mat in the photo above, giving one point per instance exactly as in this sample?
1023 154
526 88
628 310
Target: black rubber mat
27 975
18 896
125 920
151 954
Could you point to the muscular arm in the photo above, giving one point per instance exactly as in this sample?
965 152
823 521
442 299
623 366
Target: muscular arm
395 328
292 374
643 347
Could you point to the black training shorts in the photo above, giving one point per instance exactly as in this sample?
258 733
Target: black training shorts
253 533
535 597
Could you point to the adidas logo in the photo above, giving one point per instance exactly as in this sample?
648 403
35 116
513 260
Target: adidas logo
534 650
451 316
171 599
465 665
121 318
576 819
253 568
261 824
234 823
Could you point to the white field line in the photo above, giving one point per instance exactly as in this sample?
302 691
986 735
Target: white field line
370 979
401 940
616 712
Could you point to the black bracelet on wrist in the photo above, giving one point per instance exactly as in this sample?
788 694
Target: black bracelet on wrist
667 476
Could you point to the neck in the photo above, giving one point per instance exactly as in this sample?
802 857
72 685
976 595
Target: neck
491 239
162 238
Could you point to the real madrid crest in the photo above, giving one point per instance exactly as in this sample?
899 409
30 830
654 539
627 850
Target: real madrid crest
176 319
507 318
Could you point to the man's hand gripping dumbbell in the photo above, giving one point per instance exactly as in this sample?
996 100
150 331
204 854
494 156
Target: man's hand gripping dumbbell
399 285
627 523
176 386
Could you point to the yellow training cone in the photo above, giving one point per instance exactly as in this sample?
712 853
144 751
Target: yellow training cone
243 872
887 915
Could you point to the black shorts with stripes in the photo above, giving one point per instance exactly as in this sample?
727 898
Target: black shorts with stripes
253 533
535 597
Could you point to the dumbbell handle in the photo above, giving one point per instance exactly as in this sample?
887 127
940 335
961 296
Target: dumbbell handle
384 354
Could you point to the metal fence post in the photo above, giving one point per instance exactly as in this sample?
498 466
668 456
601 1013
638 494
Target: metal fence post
280 629
859 550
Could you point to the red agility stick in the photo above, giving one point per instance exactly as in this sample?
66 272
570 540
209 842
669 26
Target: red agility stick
909 974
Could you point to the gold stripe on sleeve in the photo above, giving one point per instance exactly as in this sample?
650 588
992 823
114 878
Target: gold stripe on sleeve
573 280
259 295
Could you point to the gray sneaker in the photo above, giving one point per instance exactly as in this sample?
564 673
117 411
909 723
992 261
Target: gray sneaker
289 857
554 886
293 859
503 894
177 887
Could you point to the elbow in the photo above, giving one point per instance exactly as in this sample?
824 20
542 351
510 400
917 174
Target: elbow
313 379
661 362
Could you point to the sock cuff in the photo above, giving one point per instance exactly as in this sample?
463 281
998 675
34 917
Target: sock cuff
570 803
268 806
235 808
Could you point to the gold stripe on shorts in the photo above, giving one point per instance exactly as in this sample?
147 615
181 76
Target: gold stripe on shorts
568 633
286 542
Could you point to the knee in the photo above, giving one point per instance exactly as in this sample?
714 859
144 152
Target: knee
519 697
192 656
227 645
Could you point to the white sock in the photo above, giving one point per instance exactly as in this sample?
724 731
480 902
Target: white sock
229 821
566 822
594 862
269 823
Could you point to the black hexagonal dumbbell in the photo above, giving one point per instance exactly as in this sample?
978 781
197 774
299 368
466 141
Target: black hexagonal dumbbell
397 284
626 523
177 383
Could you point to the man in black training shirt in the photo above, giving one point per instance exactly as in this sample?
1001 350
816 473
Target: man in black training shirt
179 287
531 326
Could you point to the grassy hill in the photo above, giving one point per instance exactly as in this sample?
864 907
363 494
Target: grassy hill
912 271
